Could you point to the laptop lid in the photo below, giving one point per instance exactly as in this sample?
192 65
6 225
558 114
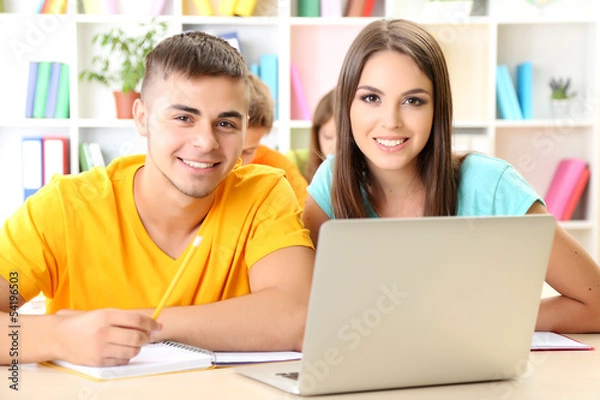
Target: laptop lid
425 301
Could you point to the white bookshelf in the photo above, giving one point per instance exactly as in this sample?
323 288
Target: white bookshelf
561 40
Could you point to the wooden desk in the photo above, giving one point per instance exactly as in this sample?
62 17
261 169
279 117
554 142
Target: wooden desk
552 375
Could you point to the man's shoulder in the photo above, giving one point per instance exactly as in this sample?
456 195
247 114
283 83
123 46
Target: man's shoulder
99 181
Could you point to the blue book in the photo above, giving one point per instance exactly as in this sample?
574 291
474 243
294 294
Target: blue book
32 162
255 69
52 95
31 84
525 88
508 103
268 74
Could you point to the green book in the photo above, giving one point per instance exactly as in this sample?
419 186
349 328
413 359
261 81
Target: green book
309 8
62 101
41 89
84 157
1 6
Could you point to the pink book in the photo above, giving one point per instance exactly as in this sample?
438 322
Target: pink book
568 183
299 97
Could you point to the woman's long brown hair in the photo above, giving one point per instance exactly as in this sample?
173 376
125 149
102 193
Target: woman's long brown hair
437 168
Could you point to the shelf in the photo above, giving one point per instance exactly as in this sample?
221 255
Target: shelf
543 123
564 42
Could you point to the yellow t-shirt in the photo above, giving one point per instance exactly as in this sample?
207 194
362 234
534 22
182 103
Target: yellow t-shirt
80 241
267 156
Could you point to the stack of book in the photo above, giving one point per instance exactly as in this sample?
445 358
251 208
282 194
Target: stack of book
515 102
333 8
47 90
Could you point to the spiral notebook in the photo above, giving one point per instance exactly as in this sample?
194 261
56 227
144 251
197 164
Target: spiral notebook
169 356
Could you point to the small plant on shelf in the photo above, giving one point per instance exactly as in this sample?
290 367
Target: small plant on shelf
560 89
120 66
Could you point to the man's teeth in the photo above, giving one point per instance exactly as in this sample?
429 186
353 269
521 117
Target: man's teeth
391 143
195 164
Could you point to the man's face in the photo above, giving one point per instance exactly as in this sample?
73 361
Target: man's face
195 129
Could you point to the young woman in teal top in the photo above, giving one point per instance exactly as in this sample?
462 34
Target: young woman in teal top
394 159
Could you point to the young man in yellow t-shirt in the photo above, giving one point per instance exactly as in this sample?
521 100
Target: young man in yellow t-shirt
105 244
261 116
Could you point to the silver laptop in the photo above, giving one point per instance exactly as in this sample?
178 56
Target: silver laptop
416 302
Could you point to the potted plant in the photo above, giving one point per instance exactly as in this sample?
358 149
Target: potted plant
560 97
448 9
120 66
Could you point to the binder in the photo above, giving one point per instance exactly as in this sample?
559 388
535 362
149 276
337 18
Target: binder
31 84
55 157
41 89
52 95
268 74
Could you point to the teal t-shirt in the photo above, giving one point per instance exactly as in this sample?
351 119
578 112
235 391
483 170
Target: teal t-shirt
488 186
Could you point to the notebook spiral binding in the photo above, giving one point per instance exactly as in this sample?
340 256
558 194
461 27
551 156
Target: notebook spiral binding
187 347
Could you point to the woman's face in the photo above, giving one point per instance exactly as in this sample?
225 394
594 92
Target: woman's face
392 112
327 137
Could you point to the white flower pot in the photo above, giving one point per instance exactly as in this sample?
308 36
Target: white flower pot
561 108
450 11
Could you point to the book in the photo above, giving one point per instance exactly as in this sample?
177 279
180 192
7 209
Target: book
226 7
577 193
157 7
568 183
55 157
41 89
85 158
309 8
204 7
31 84
367 10
32 165
45 7
96 157
169 356
244 8
63 96
354 8
58 6
543 341
506 95
91 6
303 111
525 89
52 95
268 74
331 8
254 68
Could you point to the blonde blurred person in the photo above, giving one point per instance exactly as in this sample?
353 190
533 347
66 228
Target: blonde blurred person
261 115
322 138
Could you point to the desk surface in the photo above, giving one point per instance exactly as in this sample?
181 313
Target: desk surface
552 375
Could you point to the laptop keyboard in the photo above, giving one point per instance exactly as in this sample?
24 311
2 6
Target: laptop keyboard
289 375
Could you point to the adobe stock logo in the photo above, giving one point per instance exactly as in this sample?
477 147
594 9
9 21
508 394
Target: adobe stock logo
352 333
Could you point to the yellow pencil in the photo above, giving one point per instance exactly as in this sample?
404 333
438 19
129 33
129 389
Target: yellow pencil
184 264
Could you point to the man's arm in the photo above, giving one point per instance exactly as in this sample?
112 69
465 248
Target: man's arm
102 337
271 318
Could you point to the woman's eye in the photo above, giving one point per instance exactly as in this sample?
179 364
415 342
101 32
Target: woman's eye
370 98
415 101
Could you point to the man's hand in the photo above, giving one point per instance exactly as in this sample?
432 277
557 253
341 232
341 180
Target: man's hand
102 337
